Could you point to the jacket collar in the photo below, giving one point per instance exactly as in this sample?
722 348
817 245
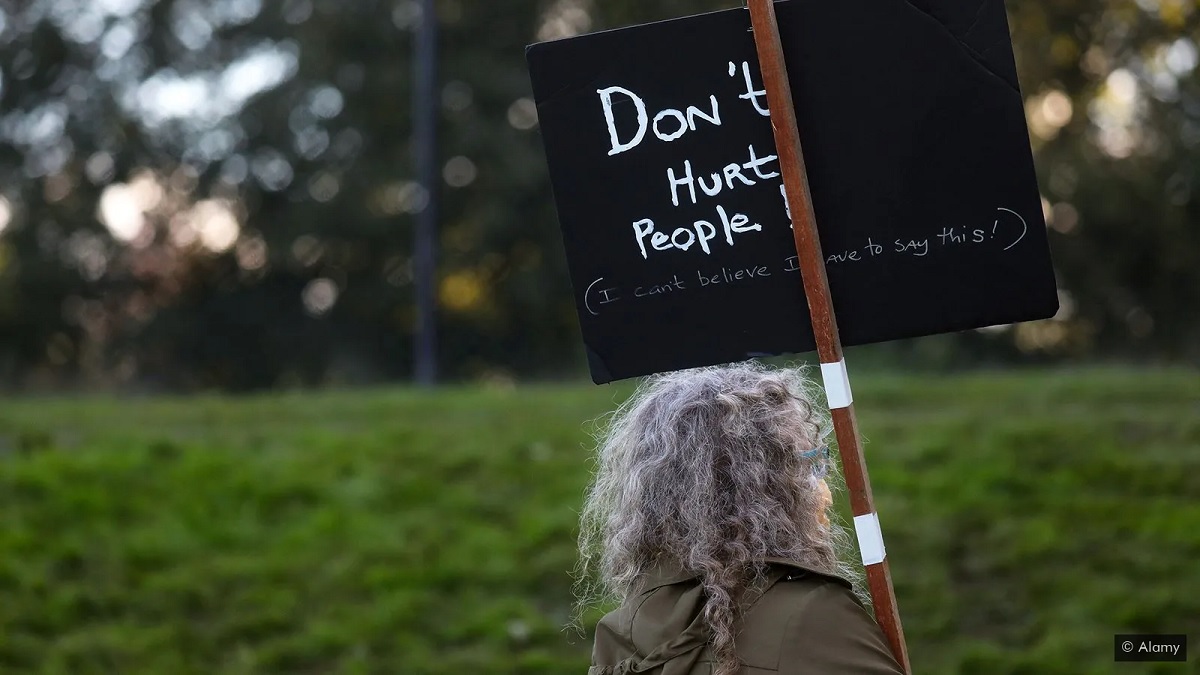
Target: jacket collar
669 573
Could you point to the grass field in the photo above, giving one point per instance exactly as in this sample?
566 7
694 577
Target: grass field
1028 518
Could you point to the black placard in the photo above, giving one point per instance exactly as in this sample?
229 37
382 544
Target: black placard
679 245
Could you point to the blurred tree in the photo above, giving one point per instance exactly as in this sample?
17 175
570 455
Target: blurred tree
1114 109
220 193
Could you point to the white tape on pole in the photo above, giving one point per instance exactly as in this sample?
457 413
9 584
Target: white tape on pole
870 539
837 385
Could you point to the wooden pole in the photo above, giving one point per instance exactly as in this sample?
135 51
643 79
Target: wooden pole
820 307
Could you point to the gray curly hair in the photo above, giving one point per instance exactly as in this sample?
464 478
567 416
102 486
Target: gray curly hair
710 470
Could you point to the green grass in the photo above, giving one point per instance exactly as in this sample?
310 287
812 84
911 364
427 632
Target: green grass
1028 518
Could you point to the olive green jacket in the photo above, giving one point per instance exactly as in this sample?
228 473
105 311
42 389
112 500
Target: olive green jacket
805 623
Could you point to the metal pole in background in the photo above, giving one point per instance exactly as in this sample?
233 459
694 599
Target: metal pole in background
425 114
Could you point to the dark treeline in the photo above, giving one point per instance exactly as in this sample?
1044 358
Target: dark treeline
220 193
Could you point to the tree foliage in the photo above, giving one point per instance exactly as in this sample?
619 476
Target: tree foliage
220 193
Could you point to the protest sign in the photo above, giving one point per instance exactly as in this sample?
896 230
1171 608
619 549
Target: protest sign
670 195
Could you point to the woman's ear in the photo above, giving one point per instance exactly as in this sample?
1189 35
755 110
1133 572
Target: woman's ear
826 503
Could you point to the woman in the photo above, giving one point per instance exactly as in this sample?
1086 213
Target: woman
708 520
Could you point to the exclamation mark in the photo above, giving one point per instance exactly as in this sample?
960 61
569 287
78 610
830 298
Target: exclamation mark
997 224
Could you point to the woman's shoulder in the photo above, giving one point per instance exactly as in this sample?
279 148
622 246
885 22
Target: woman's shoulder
812 618
791 593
